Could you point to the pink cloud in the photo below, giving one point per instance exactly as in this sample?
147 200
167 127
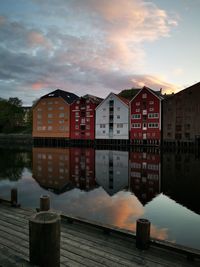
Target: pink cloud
38 39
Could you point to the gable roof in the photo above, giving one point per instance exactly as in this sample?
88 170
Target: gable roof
123 100
67 96
155 93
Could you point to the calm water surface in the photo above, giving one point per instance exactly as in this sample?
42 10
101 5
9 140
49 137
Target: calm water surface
113 187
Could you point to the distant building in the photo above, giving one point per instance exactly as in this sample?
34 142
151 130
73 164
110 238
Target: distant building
51 114
145 117
83 117
27 111
112 118
180 115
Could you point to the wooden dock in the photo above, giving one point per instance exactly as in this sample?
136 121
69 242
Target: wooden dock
82 244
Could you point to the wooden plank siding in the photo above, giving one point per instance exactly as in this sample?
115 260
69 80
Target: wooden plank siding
82 244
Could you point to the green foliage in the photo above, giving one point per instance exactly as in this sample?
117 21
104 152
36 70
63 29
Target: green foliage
129 93
11 115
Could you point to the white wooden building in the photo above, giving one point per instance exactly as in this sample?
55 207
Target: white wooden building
112 118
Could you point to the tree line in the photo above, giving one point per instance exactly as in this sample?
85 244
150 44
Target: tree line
13 117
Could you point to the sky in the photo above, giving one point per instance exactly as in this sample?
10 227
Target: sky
97 46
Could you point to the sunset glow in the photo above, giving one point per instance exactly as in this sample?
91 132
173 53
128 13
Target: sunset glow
96 46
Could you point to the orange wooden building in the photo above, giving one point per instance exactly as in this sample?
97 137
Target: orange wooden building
51 114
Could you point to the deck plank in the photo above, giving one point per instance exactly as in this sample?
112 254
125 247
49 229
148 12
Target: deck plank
81 245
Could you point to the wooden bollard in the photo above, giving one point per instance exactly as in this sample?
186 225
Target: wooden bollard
44 203
44 239
143 234
14 198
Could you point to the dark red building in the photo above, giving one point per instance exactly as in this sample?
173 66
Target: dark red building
145 117
82 168
83 118
145 173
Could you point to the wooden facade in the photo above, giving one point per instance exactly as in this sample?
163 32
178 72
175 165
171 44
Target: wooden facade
145 117
51 115
180 116
83 118
112 118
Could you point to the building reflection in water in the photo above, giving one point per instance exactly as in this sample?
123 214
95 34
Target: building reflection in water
51 168
82 167
180 178
145 174
111 170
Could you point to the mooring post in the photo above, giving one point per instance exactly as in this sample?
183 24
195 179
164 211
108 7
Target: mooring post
44 239
14 198
143 233
44 203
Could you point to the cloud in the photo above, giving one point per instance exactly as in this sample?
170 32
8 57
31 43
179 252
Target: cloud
81 46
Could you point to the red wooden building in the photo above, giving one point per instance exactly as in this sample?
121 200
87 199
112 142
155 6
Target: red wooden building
145 117
83 118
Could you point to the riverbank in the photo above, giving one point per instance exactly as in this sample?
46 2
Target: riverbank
16 140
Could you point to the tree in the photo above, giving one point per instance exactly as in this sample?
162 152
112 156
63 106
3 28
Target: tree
11 115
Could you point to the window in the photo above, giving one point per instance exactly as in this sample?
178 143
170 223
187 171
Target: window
119 125
50 128
50 121
136 125
88 106
62 128
61 115
76 107
61 108
151 109
118 116
137 110
136 116
102 126
87 134
118 108
153 125
39 109
76 127
152 115
87 113
144 95
118 131
39 122
50 115
39 115
87 119
151 102
50 102
61 121
104 109
104 132
88 127
50 108
76 114
137 104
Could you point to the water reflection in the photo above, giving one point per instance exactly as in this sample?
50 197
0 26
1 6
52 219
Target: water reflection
12 163
113 187
112 170
181 179
51 168
145 173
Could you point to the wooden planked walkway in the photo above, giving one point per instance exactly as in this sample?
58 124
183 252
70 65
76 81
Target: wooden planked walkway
81 245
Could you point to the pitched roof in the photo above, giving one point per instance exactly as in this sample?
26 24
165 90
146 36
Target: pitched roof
126 101
67 96
94 99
